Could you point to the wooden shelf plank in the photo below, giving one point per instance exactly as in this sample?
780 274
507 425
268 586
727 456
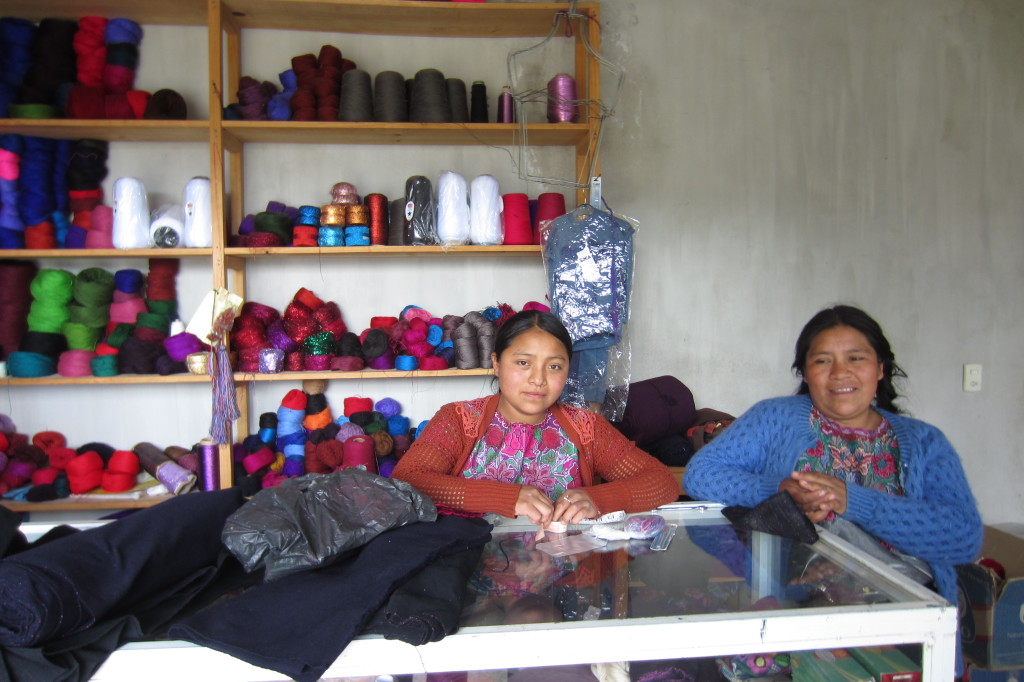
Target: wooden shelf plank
177 13
105 253
346 251
110 130
57 380
455 134
400 17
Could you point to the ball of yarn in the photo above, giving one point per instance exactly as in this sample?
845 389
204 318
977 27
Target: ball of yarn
348 429
388 407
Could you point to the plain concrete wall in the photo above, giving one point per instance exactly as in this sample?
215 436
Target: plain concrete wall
784 155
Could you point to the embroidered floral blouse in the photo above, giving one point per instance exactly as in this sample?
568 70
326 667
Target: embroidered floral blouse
540 455
868 458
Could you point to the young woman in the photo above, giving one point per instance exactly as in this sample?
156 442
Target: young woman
521 452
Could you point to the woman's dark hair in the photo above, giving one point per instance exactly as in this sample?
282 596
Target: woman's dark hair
849 316
526 320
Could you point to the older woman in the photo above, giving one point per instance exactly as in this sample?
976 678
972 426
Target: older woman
847 456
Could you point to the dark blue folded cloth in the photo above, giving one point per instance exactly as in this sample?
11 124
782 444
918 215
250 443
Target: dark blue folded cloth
125 567
299 624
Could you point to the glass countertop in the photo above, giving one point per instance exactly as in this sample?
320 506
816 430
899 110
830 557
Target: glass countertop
709 567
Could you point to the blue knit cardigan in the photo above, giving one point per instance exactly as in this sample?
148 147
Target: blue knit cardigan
935 520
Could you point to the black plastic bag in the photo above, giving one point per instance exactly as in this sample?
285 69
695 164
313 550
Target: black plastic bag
311 520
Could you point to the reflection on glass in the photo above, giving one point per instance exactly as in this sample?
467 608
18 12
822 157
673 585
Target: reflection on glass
710 568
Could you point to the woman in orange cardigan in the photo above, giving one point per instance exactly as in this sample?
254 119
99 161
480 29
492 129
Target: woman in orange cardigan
521 452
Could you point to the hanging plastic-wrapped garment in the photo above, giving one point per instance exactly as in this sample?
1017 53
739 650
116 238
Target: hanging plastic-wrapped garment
588 257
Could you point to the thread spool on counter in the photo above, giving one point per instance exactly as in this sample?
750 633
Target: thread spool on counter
209 464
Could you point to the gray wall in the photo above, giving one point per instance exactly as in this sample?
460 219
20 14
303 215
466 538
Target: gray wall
784 155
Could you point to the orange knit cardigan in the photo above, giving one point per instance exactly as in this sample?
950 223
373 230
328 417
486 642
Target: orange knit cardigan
632 480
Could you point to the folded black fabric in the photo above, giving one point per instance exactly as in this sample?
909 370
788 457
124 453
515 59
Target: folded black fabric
70 659
777 515
427 606
126 567
77 657
298 625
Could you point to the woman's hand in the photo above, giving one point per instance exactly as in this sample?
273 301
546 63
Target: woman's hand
574 506
816 494
534 504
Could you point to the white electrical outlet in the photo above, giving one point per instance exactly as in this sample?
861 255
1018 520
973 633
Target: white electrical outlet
972 377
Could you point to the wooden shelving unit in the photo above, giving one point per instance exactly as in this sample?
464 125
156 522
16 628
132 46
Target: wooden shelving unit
227 139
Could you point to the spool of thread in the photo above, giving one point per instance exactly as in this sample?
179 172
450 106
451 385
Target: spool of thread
330 235
478 103
197 363
420 212
196 199
131 215
452 209
390 98
156 463
167 226
356 97
562 104
550 205
428 100
457 101
209 464
485 206
357 214
506 108
396 222
344 193
333 214
359 451
271 360
377 209
357 235
516 219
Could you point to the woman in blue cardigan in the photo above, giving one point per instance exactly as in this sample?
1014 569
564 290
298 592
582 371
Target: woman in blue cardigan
847 456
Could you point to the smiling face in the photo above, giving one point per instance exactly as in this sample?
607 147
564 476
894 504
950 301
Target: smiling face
842 372
531 373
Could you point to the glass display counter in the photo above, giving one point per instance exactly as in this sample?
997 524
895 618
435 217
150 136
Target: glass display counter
567 599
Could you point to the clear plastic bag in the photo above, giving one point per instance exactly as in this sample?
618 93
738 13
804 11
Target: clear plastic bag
588 258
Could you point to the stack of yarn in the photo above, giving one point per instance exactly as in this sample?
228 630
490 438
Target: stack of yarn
44 467
303 338
43 342
92 222
312 336
102 324
16 278
302 437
